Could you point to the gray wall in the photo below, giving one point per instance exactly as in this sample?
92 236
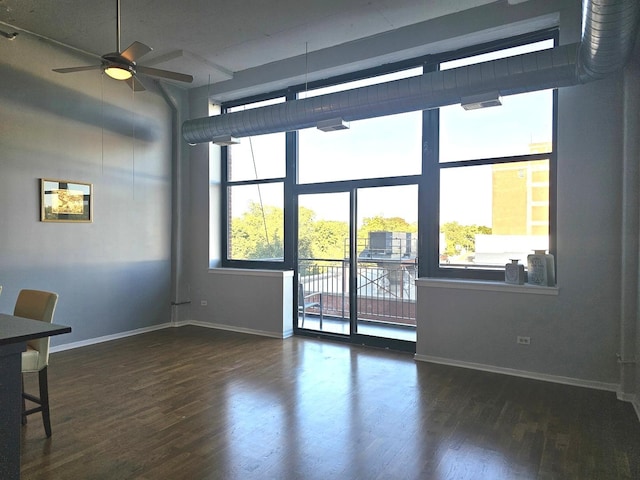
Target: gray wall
630 331
251 301
576 334
112 275
197 241
245 301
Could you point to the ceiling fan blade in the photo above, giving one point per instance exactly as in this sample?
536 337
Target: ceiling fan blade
136 50
135 84
77 69
156 72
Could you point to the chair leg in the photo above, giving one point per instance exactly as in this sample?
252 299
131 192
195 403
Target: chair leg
44 398
24 404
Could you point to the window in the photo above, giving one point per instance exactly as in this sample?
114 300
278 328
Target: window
379 147
486 182
495 169
255 172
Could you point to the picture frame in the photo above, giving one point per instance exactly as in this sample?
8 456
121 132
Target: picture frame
66 201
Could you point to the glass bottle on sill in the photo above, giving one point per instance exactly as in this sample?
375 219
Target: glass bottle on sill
541 269
514 272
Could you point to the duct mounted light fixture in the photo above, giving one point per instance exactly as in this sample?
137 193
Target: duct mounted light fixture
483 100
225 141
332 125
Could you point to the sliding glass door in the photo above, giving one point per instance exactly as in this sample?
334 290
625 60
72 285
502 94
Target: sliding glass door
387 261
357 262
323 262
357 185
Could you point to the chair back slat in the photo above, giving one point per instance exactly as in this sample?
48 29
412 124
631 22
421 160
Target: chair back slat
37 305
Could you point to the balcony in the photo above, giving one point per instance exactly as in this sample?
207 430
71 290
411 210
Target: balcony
385 296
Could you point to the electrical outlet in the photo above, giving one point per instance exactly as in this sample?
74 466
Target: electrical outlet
523 340
203 303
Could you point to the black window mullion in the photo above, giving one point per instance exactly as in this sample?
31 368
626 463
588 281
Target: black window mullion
263 181
224 206
553 186
353 260
429 197
291 203
495 161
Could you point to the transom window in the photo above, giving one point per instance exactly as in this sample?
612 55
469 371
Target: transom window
378 147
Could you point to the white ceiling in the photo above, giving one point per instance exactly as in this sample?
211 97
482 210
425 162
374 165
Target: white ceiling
214 40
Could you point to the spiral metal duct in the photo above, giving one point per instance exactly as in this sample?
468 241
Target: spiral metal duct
609 31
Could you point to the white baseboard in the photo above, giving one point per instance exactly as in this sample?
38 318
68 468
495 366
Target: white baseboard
138 331
230 328
576 382
107 338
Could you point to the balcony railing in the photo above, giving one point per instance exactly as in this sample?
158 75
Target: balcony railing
385 289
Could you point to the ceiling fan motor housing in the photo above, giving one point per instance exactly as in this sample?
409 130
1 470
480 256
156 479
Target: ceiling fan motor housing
115 60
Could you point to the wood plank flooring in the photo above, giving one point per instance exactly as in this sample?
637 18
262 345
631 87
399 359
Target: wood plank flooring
195 403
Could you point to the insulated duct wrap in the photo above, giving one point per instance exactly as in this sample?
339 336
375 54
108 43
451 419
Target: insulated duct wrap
544 69
608 37
609 32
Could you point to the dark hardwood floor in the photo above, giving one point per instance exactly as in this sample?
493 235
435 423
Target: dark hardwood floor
195 403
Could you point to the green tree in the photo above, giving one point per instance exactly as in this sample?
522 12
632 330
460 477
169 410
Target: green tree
306 222
258 233
329 239
461 238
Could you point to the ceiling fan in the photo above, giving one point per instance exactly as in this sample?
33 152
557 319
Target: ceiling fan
123 65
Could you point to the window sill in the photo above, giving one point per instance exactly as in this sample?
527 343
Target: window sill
251 272
485 286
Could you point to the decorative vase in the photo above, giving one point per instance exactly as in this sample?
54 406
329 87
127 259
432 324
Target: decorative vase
541 269
514 272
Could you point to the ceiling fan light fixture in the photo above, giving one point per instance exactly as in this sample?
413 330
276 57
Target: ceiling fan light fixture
118 73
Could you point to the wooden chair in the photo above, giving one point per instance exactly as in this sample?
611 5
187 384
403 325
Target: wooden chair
36 305
309 300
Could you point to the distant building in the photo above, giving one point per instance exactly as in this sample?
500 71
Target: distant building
520 210
521 196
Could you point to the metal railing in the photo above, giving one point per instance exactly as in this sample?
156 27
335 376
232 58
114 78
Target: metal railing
385 289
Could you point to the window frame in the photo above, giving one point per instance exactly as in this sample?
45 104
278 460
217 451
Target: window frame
429 265
428 181
225 261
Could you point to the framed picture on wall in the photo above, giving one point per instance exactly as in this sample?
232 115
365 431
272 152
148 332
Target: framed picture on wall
65 201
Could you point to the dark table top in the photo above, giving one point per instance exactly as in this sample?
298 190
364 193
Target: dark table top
17 329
